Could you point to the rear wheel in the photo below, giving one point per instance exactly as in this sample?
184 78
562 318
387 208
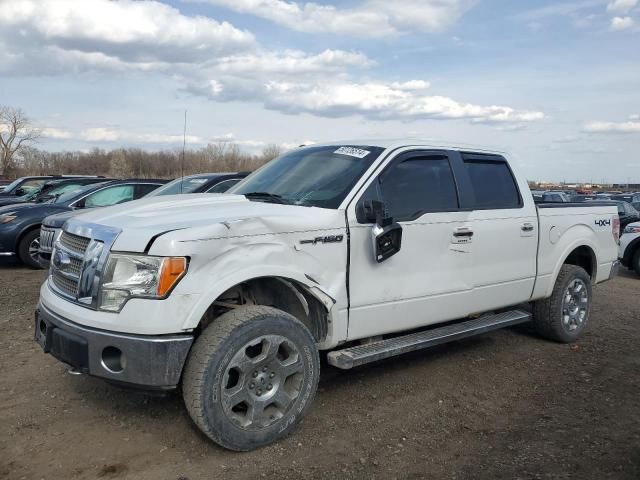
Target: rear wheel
28 249
251 376
563 316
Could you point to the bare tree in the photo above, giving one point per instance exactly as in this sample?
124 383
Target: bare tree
16 133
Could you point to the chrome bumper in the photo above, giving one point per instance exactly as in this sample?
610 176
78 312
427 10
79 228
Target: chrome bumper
146 361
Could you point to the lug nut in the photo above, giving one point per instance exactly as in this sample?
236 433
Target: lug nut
272 374
264 369
254 374
252 385
259 391
269 387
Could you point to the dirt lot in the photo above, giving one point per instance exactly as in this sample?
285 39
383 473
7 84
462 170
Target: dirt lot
504 405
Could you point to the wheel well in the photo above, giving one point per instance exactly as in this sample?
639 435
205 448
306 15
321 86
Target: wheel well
583 257
282 293
24 232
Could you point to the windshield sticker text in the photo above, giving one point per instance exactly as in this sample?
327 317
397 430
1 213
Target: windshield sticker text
353 152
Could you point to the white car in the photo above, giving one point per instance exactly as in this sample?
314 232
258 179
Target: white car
629 251
362 249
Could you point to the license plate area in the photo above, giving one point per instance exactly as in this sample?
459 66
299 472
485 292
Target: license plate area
67 347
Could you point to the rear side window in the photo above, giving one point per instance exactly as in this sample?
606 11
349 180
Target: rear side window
223 186
493 184
418 185
142 189
110 196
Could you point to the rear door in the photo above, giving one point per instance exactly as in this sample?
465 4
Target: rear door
505 232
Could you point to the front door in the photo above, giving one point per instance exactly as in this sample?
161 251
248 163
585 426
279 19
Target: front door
428 280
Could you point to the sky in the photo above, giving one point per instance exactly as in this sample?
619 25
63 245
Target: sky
555 83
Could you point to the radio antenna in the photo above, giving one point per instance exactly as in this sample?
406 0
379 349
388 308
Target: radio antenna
184 145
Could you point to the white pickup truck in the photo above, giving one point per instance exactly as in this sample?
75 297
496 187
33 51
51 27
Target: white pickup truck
363 249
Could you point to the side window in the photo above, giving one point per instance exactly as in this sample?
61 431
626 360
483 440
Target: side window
143 189
223 186
493 184
109 196
415 186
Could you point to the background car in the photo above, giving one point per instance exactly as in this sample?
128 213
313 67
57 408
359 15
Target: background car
49 189
200 183
630 247
25 185
20 223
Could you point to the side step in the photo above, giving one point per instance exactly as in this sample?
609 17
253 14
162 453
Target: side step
361 354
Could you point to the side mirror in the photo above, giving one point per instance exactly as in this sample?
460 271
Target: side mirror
19 192
386 234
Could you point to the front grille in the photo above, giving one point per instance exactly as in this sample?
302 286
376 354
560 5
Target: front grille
47 237
66 277
64 284
75 243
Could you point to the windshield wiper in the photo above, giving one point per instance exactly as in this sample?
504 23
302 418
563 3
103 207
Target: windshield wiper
266 196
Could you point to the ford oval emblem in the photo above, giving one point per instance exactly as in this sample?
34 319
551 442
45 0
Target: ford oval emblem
61 260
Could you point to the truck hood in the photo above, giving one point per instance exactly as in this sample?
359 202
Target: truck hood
206 215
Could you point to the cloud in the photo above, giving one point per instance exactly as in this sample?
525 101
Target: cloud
109 135
621 6
622 23
613 127
383 101
55 133
111 33
293 61
369 18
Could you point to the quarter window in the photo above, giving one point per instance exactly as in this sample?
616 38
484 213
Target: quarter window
493 184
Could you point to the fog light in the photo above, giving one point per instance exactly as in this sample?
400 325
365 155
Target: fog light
113 359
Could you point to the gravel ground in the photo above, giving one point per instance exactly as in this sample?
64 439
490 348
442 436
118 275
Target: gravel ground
504 405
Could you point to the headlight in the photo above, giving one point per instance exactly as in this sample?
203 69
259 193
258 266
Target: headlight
8 217
632 229
142 276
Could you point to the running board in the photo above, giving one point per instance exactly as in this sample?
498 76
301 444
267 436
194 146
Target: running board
361 354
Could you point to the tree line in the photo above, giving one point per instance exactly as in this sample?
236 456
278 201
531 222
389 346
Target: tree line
139 163
19 156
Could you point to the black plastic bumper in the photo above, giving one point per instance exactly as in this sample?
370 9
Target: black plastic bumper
146 361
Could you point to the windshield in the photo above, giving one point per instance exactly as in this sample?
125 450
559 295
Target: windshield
180 185
72 194
312 176
13 185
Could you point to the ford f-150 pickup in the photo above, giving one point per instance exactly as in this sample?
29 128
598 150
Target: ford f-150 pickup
364 250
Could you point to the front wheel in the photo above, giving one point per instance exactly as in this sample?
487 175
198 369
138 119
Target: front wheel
28 249
563 316
250 377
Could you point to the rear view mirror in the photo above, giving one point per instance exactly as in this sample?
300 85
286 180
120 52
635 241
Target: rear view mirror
386 234
387 241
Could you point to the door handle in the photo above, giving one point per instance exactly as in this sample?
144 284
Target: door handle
463 232
527 227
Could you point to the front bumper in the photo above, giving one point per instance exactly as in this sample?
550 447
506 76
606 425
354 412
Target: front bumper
148 361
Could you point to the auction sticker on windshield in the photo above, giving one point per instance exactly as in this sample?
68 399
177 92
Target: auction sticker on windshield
353 152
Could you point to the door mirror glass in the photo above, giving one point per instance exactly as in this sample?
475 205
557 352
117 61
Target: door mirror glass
386 235
387 241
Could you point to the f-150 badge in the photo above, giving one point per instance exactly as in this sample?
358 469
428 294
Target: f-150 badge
325 239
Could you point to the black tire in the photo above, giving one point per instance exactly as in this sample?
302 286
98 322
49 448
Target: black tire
221 362
550 317
30 240
635 261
